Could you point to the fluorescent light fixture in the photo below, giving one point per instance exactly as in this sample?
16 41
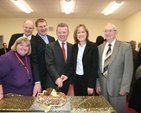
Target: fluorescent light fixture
22 5
67 6
112 7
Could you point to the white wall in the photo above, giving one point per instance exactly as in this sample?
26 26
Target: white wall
129 28
95 27
132 27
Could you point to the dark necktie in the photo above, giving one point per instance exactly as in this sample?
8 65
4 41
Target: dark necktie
63 50
107 60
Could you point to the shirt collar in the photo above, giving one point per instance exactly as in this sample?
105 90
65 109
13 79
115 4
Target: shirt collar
61 42
29 37
112 44
42 36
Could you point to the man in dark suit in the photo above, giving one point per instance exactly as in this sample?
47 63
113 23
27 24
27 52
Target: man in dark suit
28 28
115 83
135 54
4 49
57 61
38 44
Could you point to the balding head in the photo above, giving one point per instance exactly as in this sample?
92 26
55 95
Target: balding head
28 27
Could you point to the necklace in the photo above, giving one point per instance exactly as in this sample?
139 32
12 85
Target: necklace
24 65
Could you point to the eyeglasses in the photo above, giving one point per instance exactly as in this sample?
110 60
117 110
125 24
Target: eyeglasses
110 31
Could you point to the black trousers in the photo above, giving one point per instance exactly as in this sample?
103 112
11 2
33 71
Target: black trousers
80 86
135 100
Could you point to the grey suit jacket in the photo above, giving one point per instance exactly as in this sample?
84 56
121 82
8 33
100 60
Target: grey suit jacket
120 69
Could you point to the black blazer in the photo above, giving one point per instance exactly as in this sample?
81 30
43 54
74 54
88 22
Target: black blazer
2 51
90 64
138 60
56 65
38 59
13 38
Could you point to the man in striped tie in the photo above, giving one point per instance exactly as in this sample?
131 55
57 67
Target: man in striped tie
107 60
115 69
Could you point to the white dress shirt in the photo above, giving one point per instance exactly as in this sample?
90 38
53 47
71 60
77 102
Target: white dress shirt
29 37
79 65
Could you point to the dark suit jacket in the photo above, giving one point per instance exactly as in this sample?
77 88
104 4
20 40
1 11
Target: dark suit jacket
138 60
38 59
2 51
90 63
13 38
135 100
56 65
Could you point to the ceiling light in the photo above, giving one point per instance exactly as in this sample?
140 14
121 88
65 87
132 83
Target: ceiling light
68 6
22 5
112 7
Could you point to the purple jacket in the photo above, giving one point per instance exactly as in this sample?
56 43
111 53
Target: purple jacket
13 76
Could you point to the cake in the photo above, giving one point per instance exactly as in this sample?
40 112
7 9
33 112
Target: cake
50 97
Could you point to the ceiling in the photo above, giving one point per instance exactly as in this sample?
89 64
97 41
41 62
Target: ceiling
84 9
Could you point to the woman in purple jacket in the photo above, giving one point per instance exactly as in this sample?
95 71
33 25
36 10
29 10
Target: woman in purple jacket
15 69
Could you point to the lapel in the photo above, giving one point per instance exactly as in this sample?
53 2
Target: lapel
39 39
101 49
115 51
59 51
68 51
57 46
49 39
86 49
75 51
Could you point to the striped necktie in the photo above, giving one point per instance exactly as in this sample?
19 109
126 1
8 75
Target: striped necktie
107 60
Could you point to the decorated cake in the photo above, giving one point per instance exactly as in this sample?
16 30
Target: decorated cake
50 97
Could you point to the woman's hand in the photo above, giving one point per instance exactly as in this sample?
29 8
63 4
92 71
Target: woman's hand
90 91
1 92
1 96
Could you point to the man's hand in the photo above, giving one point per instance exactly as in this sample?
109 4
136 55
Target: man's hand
90 91
59 82
98 90
37 89
122 93
64 77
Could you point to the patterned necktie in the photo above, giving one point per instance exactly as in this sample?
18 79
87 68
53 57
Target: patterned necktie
107 60
63 50
5 50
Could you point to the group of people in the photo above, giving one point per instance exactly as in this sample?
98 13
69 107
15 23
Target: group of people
35 63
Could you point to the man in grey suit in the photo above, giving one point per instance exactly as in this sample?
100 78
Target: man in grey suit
57 63
115 86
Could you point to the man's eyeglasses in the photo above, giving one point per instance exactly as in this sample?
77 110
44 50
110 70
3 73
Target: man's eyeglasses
110 31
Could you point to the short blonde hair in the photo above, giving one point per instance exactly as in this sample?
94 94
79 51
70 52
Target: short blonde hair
19 41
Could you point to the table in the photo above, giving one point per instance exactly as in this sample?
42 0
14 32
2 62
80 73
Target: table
78 104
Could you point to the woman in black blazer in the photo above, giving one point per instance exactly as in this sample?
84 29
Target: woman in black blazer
84 63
